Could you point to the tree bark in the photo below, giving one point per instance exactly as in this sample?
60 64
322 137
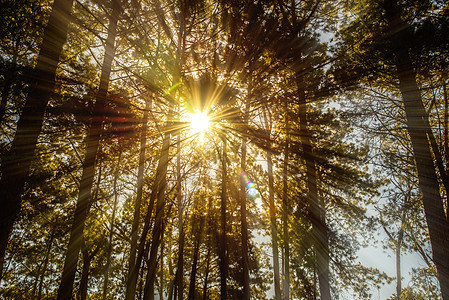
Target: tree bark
87 177
316 204
418 127
17 161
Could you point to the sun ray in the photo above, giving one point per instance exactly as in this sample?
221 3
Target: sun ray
199 122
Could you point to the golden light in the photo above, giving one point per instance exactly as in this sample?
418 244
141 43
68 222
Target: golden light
199 122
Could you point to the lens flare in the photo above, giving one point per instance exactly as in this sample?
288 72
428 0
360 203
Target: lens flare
250 186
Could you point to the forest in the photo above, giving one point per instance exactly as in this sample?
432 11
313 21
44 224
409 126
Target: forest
240 149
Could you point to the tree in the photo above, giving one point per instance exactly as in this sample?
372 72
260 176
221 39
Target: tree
17 161
394 37
92 147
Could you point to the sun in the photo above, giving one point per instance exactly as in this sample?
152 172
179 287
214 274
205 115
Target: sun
199 122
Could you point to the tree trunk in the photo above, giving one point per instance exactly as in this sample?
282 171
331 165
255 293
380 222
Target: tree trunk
111 232
316 204
87 177
273 226
138 204
161 273
161 172
84 282
196 251
206 276
243 221
45 265
17 161
209 232
417 127
285 212
223 241
180 270
398 264
446 128
157 228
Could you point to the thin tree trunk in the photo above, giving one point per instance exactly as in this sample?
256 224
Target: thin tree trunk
180 270
446 128
161 274
197 230
273 227
84 282
223 241
45 265
17 161
157 228
398 264
417 127
196 251
87 177
209 232
206 276
111 231
316 204
138 204
285 212
161 172
243 221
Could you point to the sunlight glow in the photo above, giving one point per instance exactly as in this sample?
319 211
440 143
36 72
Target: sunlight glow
199 122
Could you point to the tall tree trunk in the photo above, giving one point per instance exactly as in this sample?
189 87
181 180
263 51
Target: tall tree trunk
398 264
160 177
446 127
285 212
196 251
160 207
243 221
87 177
197 230
138 204
111 231
223 256
316 204
16 162
417 127
161 273
180 270
273 227
209 232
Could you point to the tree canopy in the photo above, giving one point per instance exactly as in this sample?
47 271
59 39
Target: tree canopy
223 149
